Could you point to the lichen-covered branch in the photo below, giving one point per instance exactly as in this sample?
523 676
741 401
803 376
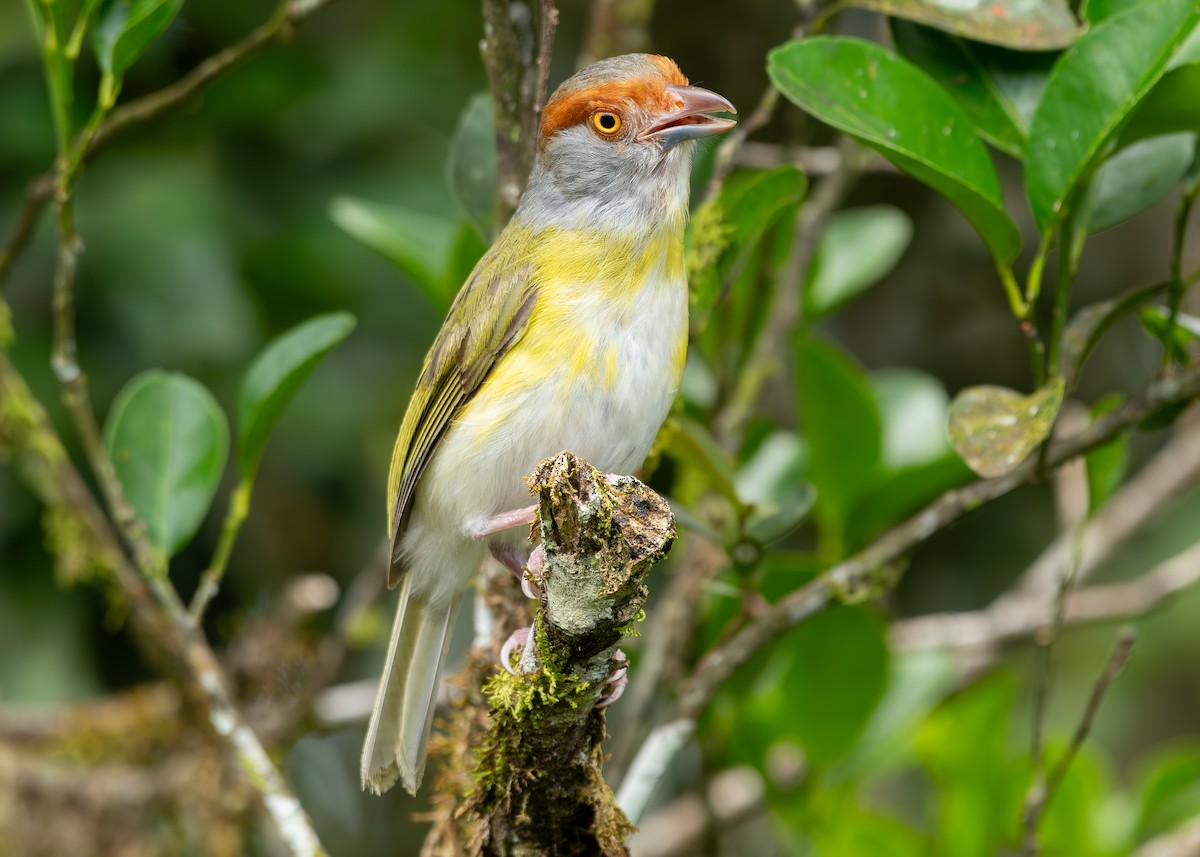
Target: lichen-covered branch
537 783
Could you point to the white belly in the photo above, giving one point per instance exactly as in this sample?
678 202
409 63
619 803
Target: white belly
609 414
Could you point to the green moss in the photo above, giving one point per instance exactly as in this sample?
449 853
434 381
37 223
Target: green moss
629 629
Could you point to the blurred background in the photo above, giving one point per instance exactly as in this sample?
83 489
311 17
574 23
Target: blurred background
208 232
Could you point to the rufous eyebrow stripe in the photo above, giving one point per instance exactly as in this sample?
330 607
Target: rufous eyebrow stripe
571 108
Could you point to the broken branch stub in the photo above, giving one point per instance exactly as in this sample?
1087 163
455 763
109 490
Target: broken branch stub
539 787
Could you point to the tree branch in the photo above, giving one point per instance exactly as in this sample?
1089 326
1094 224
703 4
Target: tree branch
537 784
872 568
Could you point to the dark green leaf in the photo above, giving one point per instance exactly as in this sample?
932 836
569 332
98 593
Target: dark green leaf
773 482
125 28
818 687
168 441
1037 26
957 66
471 166
276 374
1091 92
725 230
1085 329
419 244
994 429
1107 464
892 106
1178 339
1135 178
1173 105
842 425
901 494
858 248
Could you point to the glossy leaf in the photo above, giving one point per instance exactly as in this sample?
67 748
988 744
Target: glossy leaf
725 230
773 482
958 67
1173 105
914 407
419 244
1137 177
1092 91
124 29
168 441
1169 791
471 165
858 248
994 429
895 108
1178 339
842 425
276 374
1034 26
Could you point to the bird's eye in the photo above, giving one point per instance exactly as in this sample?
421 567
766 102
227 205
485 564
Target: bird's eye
606 123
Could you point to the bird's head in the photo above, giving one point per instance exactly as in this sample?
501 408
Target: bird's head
616 142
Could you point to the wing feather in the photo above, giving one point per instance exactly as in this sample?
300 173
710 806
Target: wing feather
489 315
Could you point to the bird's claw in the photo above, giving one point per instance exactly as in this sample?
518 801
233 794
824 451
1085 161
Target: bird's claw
516 642
531 575
617 681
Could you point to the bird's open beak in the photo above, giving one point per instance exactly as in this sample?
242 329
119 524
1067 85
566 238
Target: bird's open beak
689 120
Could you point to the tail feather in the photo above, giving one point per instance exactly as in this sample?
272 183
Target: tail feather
398 736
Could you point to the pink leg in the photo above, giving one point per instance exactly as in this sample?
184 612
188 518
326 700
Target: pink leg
517 640
502 521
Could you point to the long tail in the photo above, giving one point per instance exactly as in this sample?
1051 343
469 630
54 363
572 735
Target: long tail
398 737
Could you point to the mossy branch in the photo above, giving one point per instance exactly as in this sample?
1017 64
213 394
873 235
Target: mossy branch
538 787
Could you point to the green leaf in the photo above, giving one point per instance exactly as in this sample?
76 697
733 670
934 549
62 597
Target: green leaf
1135 178
725 230
994 429
276 374
914 407
421 245
1173 105
1085 329
1169 790
842 425
471 165
168 441
818 687
959 68
892 106
773 482
1107 464
1037 26
1092 91
1186 331
858 248
123 31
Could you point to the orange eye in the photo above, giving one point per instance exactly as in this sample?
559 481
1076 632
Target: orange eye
606 123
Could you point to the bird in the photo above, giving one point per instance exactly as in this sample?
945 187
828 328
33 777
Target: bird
569 334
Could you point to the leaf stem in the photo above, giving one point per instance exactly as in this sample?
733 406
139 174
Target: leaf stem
1178 283
59 73
210 582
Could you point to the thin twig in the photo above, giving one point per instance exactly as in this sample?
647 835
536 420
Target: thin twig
1116 662
982 634
37 192
616 27
545 54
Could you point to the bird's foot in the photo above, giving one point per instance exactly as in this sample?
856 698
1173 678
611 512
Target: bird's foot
520 640
617 680
527 568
